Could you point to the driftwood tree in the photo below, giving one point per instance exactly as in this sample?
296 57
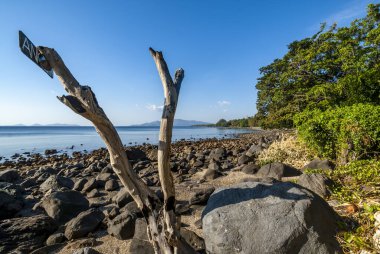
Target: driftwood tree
163 223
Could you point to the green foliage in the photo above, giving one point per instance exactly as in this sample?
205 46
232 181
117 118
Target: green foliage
222 123
334 67
356 182
244 122
345 133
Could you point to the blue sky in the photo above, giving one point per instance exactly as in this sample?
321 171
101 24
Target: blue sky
220 44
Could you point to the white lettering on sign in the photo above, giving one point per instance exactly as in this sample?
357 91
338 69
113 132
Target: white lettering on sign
31 49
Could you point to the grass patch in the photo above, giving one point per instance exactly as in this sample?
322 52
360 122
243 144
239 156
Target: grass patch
289 150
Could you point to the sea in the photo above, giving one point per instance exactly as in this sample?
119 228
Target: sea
67 139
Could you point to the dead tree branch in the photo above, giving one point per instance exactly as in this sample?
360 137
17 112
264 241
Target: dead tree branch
171 92
161 219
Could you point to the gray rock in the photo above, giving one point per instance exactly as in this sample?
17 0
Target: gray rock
62 206
135 153
25 234
93 194
210 174
198 163
122 226
78 186
50 249
14 190
141 230
214 165
90 185
112 213
30 182
315 182
55 238
255 217
55 182
138 246
50 151
83 224
319 164
193 239
250 169
9 175
122 198
254 150
201 196
86 250
132 208
111 185
9 205
277 170
217 154
244 159
182 208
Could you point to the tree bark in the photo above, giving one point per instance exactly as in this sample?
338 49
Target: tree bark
161 219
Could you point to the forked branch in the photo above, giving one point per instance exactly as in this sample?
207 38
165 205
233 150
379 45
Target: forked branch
161 219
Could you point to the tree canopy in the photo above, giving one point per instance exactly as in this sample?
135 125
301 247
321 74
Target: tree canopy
333 68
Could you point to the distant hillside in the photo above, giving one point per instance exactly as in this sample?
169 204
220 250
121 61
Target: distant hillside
177 122
55 124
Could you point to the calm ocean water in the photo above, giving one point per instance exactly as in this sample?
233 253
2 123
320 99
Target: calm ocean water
36 139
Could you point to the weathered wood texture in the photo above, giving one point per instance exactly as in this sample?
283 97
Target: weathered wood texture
171 92
163 224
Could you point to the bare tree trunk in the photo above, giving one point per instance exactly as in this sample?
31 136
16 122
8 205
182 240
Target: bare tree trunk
161 219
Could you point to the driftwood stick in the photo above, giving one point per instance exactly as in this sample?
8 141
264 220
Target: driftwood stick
171 92
163 235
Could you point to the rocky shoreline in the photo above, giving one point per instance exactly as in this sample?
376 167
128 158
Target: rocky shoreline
61 204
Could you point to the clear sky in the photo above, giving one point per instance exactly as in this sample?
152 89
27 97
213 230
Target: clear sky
220 44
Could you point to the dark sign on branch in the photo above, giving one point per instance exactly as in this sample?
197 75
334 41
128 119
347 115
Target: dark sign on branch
31 51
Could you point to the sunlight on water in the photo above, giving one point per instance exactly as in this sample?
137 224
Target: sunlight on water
36 139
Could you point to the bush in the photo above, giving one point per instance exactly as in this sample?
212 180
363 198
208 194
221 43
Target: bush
345 133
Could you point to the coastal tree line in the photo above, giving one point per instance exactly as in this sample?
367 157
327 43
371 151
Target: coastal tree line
327 86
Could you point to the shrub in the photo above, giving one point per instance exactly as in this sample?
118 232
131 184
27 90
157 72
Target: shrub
345 133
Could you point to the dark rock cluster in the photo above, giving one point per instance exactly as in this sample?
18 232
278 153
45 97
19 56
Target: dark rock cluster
48 200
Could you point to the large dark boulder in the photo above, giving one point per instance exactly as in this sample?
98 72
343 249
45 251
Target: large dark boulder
25 234
62 206
138 246
9 205
15 190
135 153
200 196
193 239
55 182
122 198
254 150
122 226
316 182
319 164
250 169
279 217
244 159
9 175
86 222
217 154
277 170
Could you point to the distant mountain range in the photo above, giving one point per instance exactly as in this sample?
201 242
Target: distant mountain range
177 122
52 124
